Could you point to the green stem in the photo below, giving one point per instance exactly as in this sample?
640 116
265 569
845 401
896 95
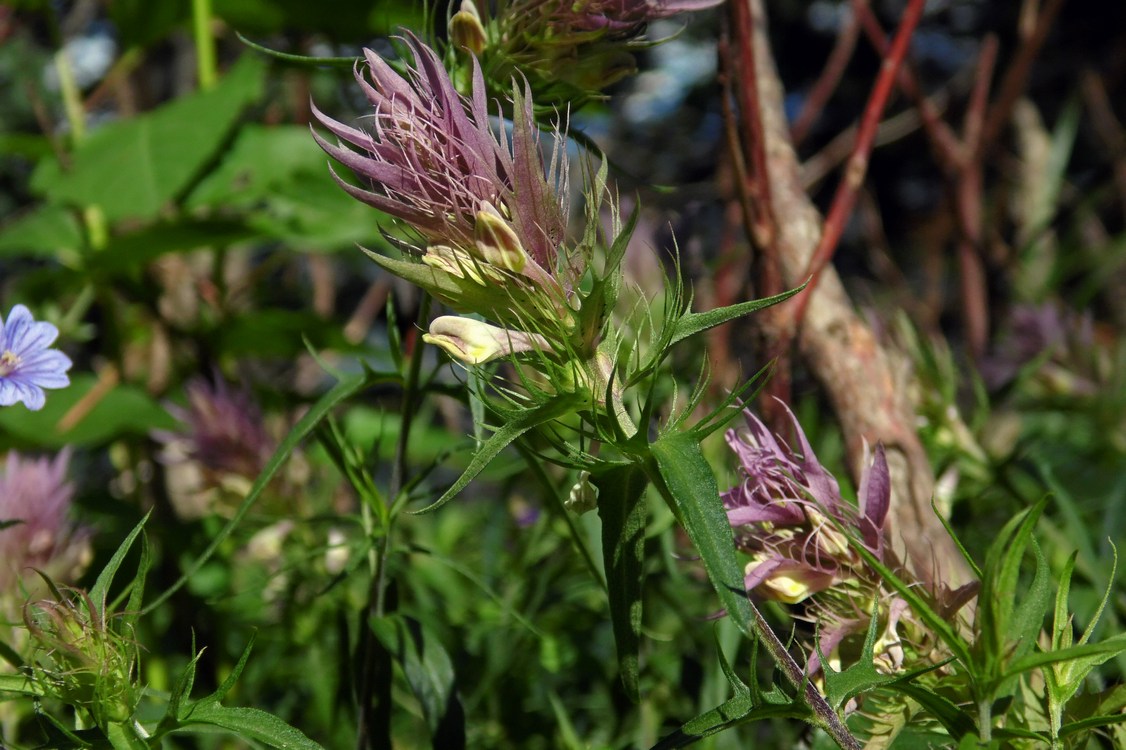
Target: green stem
374 725
72 98
824 715
206 65
985 720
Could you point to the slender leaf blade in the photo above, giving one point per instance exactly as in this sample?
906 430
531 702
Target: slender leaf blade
621 506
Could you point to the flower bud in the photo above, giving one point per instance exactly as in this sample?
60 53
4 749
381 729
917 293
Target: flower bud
583 496
466 30
497 242
460 264
80 660
475 343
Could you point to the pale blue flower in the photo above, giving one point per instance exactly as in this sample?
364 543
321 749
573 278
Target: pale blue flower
27 365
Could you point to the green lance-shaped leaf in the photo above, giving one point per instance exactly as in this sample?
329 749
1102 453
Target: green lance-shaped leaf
996 603
691 323
621 506
430 674
502 438
100 591
251 724
690 488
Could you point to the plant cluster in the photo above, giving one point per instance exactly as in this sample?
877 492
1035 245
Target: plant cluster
503 523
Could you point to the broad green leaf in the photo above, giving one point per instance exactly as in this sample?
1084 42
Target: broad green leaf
691 323
343 390
261 159
133 168
694 496
133 250
621 506
123 410
274 332
251 724
428 670
99 592
46 232
519 424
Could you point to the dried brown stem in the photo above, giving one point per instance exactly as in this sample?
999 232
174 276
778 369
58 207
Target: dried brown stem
975 301
864 385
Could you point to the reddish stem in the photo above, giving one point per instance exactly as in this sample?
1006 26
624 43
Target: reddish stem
845 198
829 79
975 303
1016 77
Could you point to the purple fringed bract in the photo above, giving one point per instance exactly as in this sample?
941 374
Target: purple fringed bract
434 159
788 508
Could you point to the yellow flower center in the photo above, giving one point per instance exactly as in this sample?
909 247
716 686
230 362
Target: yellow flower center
9 361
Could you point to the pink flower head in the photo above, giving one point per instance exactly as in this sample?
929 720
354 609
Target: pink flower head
777 482
433 159
789 514
36 496
225 432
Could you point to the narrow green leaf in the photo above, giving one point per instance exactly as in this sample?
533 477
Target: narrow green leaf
1028 620
1092 722
1093 653
137 586
251 724
122 736
731 713
336 62
957 722
232 678
999 588
690 324
691 490
501 439
621 506
99 592
429 673
343 390
18 684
